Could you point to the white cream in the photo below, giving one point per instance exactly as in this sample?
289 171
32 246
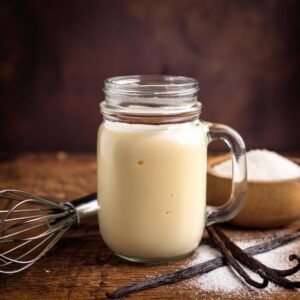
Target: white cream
152 188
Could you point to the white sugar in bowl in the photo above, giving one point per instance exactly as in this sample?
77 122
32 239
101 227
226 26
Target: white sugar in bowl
270 203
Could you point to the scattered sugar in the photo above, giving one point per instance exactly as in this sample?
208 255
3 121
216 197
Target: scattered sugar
47 271
224 280
263 165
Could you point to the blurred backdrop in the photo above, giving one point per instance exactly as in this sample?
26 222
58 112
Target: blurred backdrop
54 56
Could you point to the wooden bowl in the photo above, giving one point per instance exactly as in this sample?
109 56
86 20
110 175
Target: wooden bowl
269 204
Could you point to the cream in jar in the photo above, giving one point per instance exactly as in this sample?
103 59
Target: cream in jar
153 188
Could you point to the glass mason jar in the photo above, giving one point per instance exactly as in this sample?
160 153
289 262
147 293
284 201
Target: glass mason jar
152 163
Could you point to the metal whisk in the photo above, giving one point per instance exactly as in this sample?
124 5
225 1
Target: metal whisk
30 226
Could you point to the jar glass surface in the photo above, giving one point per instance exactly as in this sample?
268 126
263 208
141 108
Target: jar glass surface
152 162
150 97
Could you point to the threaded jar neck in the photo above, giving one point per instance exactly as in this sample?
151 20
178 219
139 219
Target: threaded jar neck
150 99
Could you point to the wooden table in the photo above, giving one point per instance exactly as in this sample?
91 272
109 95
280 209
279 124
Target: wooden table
81 266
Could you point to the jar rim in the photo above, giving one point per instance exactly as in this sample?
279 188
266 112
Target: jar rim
154 84
150 95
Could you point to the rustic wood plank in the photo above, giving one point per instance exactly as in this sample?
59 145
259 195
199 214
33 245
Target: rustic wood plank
81 266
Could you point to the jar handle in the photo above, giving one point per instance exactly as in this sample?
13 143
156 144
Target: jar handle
225 212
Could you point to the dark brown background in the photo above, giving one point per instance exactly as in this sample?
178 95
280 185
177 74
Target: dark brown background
55 55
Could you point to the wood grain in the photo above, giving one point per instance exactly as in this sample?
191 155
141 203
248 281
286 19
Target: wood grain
81 266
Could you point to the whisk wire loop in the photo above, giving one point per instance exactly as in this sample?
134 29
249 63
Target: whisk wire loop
30 226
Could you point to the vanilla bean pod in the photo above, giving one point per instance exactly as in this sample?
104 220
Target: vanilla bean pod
201 268
253 264
292 270
231 260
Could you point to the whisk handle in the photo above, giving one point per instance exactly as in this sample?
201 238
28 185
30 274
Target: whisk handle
85 206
